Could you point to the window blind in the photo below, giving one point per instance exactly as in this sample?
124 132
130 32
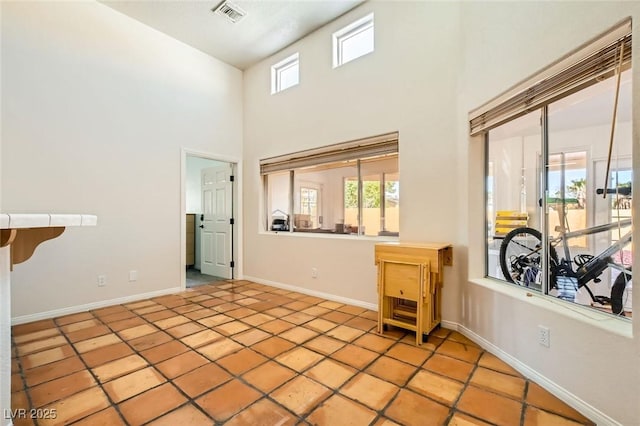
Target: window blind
352 150
593 62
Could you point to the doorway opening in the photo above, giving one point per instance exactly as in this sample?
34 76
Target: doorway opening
209 200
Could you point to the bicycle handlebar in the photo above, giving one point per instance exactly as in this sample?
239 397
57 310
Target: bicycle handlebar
622 190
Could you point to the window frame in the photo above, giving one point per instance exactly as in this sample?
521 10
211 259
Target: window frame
347 154
504 109
280 67
344 34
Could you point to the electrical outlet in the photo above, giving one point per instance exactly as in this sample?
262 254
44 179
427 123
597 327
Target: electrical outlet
544 336
102 280
133 276
314 272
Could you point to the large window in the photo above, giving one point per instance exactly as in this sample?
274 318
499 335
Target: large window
558 178
351 188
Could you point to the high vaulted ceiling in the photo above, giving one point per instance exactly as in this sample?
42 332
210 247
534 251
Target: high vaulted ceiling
269 25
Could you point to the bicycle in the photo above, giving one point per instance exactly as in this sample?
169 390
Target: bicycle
521 261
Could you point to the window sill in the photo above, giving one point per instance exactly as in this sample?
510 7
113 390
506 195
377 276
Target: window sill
328 236
620 326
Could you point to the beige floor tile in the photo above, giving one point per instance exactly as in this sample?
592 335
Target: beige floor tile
409 354
504 384
219 348
268 376
362 324
151 404
492 362
68 319
353 310
324 345
186 415
185 329
119 367
251 336
21 329
202 379
273 346
276 326
45 357
263 412
131 321
539 397
106 417
70 328
320 325
181 364
54 370
215 320
77 406
150 341
105 354
345 333
451 367
241 361
201 338
231 328
118 316
457 350
170 322
436 387
36 335
164 351
298 318
536 417
410 409
375 342
40 345
315 311
240 313
490 406
228 400
339 410
392 370
132 384
330 373
88 333
298 334
301 395
355 356
257 319
461 419
96 343
370 391
299 359
337 317
159 315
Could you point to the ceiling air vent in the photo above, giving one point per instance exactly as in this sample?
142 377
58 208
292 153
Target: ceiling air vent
230 11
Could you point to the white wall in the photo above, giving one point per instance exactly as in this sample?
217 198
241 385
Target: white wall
504 44
96 110
391 89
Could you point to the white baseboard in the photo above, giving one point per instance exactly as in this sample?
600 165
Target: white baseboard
567 397
328 296
90 306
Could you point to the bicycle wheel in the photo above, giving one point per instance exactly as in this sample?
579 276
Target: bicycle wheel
617 291
521 257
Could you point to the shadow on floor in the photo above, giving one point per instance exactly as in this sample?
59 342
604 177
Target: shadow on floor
196 278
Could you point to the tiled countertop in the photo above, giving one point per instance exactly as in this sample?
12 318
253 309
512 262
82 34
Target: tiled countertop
43 220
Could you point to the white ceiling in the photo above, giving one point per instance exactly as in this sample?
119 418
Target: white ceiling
269 26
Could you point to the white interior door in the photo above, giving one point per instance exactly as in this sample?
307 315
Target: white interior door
216 221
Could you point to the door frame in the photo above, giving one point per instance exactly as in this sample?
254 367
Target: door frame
236 200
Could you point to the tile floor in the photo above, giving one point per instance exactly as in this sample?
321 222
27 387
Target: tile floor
240 353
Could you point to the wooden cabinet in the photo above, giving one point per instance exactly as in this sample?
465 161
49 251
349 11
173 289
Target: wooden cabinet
409 285
190 244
